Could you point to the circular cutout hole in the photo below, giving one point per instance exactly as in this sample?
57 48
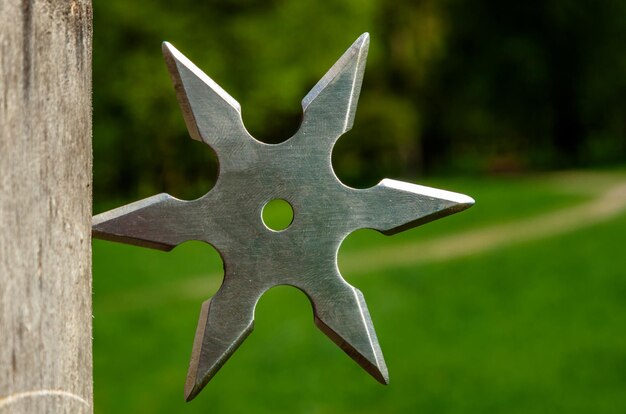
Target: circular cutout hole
277 214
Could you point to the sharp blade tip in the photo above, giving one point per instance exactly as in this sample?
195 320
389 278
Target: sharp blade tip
361 45
168 49
174 58
383 377
356 52
191 390
466 201
462 201
363 40
167 46
379 372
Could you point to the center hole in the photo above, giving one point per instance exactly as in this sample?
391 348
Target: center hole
277 214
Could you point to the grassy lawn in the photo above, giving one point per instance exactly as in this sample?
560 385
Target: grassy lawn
535 327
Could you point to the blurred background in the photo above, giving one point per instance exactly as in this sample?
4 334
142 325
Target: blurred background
517 305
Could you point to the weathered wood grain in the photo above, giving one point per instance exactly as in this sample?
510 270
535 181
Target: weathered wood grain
45 206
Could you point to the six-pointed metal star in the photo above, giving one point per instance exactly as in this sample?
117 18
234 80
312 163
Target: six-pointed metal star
251 174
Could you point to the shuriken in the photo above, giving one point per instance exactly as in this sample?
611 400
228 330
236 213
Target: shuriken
251 174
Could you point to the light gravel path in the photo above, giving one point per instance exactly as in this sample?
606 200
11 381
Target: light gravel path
609 204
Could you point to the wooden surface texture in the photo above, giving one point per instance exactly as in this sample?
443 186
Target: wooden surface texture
45 207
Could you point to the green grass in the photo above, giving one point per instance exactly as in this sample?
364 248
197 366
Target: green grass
536 327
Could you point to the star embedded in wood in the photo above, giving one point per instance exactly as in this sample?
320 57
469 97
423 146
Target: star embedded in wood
251 174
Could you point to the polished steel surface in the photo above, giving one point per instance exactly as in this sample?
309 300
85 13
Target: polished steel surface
251 174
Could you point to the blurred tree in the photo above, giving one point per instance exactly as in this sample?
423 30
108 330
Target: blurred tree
479 85
520 85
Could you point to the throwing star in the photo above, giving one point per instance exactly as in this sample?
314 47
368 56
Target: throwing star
229 216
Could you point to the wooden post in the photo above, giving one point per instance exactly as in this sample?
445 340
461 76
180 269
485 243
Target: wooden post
45 206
